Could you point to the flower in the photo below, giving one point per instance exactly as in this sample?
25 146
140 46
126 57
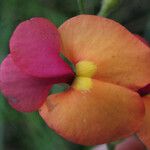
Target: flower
33 65
102 104
131 143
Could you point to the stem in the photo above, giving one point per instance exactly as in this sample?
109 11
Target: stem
81 6
107 7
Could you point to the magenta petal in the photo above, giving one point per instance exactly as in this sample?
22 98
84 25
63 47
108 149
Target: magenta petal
24 93
145 90
35 46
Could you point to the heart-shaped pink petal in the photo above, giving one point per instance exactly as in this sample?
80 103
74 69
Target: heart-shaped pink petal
35 46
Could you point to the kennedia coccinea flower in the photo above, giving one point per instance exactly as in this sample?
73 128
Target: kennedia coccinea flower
102 104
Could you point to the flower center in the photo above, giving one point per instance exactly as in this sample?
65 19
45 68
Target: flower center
85 70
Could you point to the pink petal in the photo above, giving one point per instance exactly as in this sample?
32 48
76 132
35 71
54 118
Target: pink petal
35 46
131 143
100 147
24 93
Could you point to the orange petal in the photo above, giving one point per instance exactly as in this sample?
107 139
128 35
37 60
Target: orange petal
131 143
104 113
121 58
144 133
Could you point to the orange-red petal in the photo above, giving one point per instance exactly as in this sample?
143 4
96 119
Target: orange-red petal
121 58
104 113
144 133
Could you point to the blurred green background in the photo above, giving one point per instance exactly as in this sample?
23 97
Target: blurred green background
26 131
